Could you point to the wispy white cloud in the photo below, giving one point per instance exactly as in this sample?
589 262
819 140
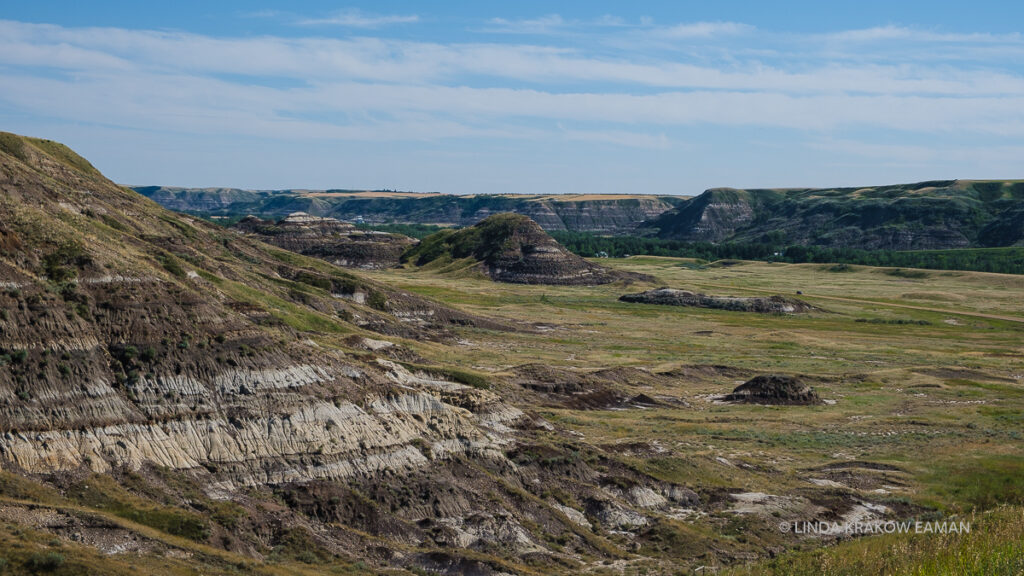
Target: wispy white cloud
312 60
705 29
357 19
552 24
377 89
542 25
882 33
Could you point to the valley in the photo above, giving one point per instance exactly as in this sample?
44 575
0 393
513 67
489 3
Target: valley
180 397
511 289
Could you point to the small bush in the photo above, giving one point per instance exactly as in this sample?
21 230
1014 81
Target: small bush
896 321
45 562
313 280
61 264
172 265
113 223
377 300
901 273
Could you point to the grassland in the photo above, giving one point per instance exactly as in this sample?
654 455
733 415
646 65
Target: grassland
923 372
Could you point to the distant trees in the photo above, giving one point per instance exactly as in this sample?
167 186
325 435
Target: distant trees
1004 260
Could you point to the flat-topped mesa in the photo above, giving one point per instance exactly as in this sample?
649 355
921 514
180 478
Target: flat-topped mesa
329 239
765 305
512 248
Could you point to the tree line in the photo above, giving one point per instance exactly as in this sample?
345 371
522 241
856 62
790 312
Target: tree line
1003 260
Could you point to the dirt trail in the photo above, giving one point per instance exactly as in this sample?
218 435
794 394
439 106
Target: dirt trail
879 303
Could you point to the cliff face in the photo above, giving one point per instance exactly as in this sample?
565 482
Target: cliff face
928 215
511 248
596 213
337 242
199 199
133 337
160 375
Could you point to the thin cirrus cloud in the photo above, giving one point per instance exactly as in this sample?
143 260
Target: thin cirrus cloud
378 87
706 30
350 18
316 59
553 24
357 19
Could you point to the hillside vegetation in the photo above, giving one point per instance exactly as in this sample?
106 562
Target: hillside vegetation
922 216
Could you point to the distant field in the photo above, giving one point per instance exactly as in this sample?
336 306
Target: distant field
924 373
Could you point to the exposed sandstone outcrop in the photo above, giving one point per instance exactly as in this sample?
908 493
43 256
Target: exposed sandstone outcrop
333 240
672 297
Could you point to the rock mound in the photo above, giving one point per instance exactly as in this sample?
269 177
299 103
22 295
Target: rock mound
512 248
774 389
329 239
770 305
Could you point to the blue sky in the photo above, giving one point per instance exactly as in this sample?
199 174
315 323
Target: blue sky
531 97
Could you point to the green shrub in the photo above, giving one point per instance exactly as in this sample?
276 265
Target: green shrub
901 273
314 280
60 265
13 144
45 561
172 265
377 300
113 223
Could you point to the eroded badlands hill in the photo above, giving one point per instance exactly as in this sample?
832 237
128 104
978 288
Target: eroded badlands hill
511 248
329 239
199 400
